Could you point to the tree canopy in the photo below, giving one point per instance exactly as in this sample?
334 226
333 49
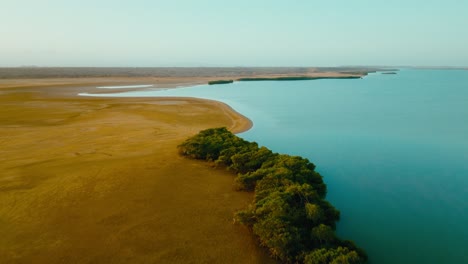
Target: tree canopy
289 214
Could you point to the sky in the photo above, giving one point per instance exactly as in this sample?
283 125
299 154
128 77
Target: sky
145 33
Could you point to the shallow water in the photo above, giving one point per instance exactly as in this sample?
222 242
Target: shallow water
393 150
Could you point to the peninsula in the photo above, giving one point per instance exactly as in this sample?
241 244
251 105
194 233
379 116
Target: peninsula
100 179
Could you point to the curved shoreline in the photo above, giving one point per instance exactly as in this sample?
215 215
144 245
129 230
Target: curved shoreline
240 124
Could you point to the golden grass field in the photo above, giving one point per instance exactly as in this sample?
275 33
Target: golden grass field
86 180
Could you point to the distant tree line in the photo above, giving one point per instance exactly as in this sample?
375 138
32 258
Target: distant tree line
296 78
220 82
289 214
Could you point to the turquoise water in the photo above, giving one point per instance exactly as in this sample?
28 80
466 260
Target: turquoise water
393 150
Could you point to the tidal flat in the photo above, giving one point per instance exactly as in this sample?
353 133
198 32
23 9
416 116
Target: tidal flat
100 180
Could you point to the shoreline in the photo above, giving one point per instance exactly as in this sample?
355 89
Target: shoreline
70 87
161 77
241 123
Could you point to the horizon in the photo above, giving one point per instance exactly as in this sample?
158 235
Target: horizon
142 34
395 67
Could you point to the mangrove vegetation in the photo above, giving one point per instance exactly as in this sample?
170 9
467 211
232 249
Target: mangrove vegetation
220 82
289 214
295 78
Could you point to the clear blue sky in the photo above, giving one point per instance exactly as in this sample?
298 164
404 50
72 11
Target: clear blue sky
233 33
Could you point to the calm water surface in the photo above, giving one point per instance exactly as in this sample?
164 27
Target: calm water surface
393 150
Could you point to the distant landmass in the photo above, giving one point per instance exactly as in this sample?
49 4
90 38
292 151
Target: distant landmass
28 72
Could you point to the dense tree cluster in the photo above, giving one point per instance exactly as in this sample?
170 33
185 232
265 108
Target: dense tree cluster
299 78
220 82
289 214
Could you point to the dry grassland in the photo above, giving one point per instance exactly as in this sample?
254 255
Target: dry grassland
90 180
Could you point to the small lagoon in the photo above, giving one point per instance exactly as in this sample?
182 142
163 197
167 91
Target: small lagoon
393 150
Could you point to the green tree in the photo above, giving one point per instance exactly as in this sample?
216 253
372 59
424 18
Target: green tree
338 255
251 160
314 212
323 234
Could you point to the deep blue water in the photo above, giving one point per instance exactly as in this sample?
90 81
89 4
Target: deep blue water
393 150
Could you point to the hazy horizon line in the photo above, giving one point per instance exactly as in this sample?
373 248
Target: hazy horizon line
247 66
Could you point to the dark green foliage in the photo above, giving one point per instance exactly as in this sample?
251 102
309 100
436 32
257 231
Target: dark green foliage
289 214
340 255
211 143
294 78
323 235
251 159
301 171
314 212
220 82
